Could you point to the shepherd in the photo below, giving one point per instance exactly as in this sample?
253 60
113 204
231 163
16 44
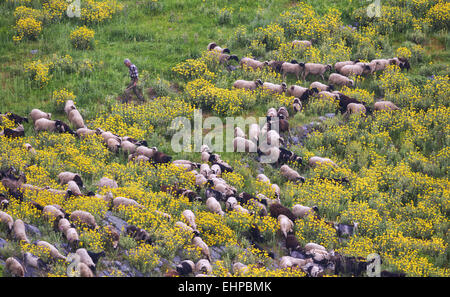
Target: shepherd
134 80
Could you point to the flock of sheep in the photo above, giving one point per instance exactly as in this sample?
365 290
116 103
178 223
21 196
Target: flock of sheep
313 259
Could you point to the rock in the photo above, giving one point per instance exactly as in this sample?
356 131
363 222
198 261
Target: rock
295 140
297 254
3 243
118 223
32 229
330 115
322 118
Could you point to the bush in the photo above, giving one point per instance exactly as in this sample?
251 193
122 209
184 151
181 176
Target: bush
28 28
82 38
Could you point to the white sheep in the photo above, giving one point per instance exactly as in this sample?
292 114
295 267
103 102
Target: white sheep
275 88
54 253
83 217
213 46
297 105
357 69
14 267
76 119
292 67
198 242
126 202
69 106
19 231
315 69
6 219
301 211
244 145
316 161
303 43
44 124
239 133
37 114
290 174
252 63
203 266
248 85
84 132
338 66
214 206
190 218
320 86
148 152
340 80
286 225
385 105
354 108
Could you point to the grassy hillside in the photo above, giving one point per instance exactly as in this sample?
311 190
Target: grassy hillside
396 162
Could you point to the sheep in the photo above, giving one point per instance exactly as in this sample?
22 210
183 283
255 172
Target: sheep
286 225
277 209
239 268
14 267
356 69
107 135
83 132
185 267
263 178
190 218
316 161
205 156
7 219
275 65
223 58
303 43
290 174
282 111
188 165
30 260
83 217
292 67
328 95
338 65
244 145
160 158
139 234
17 119
301 211
64 225
272 138
84 270
203 266
205 169
239 209
50 211
281 123
274 88
385 105
215 169
248 85
14 133
292 243
315 69
105 182
73 189
86 258
72 236
29 148
37 114
238 132
231 203
356 108
113 144
76 119
69 106
253 132
288 261
297 105
213 46
347 230
252 63
198 242
44 124
186 228
340 80
314 246
320 86
126 202
214 206
66 176
19 231
54 253
300 92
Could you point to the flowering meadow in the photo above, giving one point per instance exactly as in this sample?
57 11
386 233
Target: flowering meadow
396 162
